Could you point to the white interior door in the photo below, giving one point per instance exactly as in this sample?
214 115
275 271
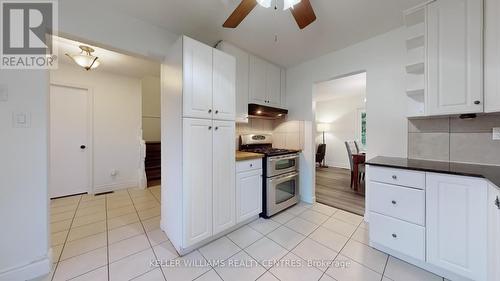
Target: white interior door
69 141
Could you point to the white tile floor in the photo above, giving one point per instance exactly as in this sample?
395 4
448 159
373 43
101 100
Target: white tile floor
117 236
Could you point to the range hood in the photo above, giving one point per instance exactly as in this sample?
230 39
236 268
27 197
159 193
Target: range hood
265 112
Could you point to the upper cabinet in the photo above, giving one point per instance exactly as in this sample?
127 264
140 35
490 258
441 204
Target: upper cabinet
454 57
242 72
257 81
492 56
265 83
197 68
445 58
257 87
208 81
224 87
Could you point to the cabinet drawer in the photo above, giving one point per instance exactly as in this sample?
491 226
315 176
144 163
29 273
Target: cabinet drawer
403 237
399 202
398 176
248 165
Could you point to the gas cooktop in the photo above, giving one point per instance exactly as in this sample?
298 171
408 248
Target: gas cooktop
269 151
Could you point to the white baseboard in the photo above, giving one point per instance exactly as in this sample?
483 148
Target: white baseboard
115 186
337 165
29 271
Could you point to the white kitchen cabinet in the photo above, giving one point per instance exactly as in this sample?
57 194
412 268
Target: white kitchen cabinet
283 88
249 190
224 86
456 224
224 168
198 190
197 79
242 71
494 233
454 57
273 85
197 179
257 79
492 56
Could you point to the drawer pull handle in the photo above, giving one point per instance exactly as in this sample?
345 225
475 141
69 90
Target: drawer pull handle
394 235
394 177
394 202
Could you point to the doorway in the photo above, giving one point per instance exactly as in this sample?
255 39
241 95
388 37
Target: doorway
341 141
70 140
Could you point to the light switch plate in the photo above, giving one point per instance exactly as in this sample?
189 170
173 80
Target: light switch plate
4 93
21 120
496 133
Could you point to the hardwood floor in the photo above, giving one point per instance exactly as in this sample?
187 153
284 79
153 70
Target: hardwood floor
333 189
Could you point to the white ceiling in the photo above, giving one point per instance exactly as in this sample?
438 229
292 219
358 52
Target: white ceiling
111 61
340 23
350 86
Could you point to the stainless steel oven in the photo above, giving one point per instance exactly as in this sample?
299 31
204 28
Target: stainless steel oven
277 165
282 192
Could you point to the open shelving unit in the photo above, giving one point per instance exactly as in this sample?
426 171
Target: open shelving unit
415 64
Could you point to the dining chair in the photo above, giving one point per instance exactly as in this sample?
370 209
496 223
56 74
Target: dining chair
350 152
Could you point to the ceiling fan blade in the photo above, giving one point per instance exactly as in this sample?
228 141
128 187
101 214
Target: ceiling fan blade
239 14
303 13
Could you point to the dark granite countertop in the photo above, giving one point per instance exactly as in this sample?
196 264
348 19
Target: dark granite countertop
491 173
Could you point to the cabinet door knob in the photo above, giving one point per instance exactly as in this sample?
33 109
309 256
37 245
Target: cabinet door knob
216 112
394 177
209 111
210 127
393 202
83 147
216 128
497 203
394 235
477 102
251 165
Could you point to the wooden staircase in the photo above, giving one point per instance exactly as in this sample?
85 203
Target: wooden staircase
153 163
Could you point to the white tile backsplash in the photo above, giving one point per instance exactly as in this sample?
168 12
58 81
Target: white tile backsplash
286 134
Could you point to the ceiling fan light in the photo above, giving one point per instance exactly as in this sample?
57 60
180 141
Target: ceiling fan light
287 4
265 3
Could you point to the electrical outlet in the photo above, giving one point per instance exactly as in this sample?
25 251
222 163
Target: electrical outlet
496 133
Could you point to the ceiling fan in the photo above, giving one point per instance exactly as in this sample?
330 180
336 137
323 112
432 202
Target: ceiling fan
301 10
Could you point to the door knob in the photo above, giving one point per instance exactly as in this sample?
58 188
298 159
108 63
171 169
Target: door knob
393 202
216 112
210 127
394 235
82 146
209 111
394 177
216 128
477 102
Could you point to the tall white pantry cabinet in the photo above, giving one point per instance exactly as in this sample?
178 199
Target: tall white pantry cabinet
198 155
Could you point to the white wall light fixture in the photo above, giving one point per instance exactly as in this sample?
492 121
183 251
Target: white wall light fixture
85 58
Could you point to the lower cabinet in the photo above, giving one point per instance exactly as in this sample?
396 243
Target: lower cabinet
224 206
248 192
197 180
447 224
456 215
493 233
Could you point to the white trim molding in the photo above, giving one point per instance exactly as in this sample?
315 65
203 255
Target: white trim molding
28 271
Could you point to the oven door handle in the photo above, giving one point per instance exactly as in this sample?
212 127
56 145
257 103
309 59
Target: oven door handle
294 156
284 177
